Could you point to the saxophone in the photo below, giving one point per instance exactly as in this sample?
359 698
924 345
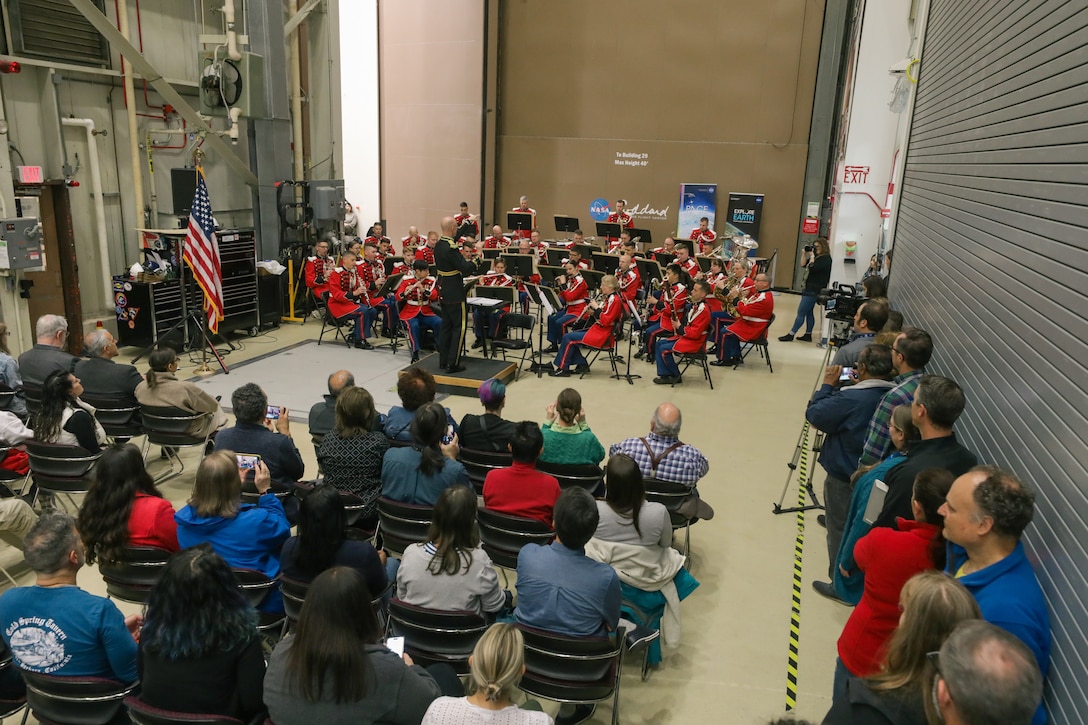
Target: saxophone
737 261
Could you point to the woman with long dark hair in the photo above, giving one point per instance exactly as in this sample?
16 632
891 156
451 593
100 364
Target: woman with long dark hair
888 558
333 670
200 651
351 453
818 264
932 605
321 543
124 508
450 571
163 389
567 437
625 514
64 418
419 474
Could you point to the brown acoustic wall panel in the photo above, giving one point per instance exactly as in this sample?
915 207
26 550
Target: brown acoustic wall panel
431 87
709 91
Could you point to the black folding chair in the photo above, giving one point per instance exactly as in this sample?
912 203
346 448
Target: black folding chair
74 700
759 343
480 463
60 469
519 336
402 524
343 327
433 635
169 427
588 476
121 422
684 360
143 714
131 578
503 535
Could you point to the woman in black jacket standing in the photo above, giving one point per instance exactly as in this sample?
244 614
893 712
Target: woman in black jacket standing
818 263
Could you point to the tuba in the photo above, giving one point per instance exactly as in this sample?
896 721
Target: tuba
741 246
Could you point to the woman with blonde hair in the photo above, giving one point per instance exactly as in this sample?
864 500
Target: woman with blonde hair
933 604
567 437
496 666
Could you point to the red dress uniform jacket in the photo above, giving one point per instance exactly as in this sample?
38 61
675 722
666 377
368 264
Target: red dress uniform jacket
625 220
426 253
375 240
493 279
373 276
630 283
402 267
417 302
521 490
678 298
693 337
690 265
494 242
704 239
576 295
317 274
889 557
524 233
406 242
460 219
753 316
151 523
342 286
600 332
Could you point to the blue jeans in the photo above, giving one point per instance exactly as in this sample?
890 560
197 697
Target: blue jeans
805 314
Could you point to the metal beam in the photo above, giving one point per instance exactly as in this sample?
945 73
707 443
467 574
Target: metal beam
160 84
301 15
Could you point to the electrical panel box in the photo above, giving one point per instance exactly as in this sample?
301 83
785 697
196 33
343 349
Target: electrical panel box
226 83
20 243
327 200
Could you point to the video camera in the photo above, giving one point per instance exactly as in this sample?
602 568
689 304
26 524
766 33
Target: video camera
840 301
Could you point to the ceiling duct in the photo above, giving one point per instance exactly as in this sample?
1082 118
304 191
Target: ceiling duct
54 30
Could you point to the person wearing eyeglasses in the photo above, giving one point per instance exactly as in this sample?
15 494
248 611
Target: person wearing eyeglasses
48 354
910 354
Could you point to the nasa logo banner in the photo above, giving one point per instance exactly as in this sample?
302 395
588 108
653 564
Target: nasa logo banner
743 214
696 201
598 209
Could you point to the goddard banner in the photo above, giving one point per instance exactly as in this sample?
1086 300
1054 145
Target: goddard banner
696 201
743 215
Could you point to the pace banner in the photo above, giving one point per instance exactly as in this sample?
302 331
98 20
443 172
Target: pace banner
696 201
744 214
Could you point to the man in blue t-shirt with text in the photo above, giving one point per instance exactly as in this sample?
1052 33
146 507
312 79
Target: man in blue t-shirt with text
56 628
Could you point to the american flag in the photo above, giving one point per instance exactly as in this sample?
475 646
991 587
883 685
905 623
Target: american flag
202 253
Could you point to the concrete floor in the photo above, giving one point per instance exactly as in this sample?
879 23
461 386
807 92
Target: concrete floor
732 666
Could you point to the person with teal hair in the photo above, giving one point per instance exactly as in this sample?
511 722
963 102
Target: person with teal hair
490 431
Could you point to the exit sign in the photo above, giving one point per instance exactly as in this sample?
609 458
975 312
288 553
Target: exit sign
30 174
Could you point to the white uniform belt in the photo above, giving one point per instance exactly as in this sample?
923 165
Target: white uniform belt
577 302
418 303
753 319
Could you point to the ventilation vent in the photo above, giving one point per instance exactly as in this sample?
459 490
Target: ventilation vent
54 30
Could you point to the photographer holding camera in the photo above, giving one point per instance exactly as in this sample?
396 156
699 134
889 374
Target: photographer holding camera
817 260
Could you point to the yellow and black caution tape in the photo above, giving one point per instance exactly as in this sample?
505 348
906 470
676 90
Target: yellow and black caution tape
798 551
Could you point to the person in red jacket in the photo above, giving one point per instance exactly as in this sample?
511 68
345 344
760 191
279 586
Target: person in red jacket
521 490
575 294
317 269
703 235
629 277
598 335
621 217
667 308
496 240
524 208
752 320
687 262
887 558
347 298
692 338
487 322
416 294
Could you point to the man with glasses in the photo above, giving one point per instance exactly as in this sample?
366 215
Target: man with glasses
985 675
985 514
48 354
910 354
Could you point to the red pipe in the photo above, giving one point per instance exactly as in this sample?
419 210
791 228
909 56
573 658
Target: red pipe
184 126
863 193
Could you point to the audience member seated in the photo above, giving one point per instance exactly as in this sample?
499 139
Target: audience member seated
662 455
450 571
849 586
200 651
248 536
634 537
992 674
415 387
521 490
49 353
13 434
323 414
985 515
933 604
888 558
351 455
103 378
567 437
64 418
163 389
254 433
490 431
333 669
321 543
10 378
124 508
56 628
419 474
495 669
562 590
16 521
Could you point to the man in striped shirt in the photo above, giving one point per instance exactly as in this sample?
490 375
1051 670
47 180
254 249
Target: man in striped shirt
910 354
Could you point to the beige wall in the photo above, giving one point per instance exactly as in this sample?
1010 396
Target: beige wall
712 91
431 57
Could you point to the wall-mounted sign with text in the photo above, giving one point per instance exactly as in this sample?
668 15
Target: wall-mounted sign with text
599 209
744 213
696 201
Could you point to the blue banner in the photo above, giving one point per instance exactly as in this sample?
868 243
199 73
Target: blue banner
696 201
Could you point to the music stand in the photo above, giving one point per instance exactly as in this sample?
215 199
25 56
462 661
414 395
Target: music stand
593 278
649 269
491 253
487 292
389 263
555 256
545 298
608 231
388 288
635 320
607 263
644 237
704 263
518 265
548 274
519 221
586 250
665 258
567 224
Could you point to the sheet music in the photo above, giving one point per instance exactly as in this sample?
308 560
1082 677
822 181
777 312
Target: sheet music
634 313
485 301
548 309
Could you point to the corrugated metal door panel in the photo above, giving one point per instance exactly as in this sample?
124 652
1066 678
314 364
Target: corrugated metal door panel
992 258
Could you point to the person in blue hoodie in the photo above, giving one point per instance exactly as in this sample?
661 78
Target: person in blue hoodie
985 513
247 536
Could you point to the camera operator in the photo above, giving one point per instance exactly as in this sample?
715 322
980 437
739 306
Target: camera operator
817 259
868 320
844 415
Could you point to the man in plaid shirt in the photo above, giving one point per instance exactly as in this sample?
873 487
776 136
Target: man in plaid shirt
663 456
910 354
